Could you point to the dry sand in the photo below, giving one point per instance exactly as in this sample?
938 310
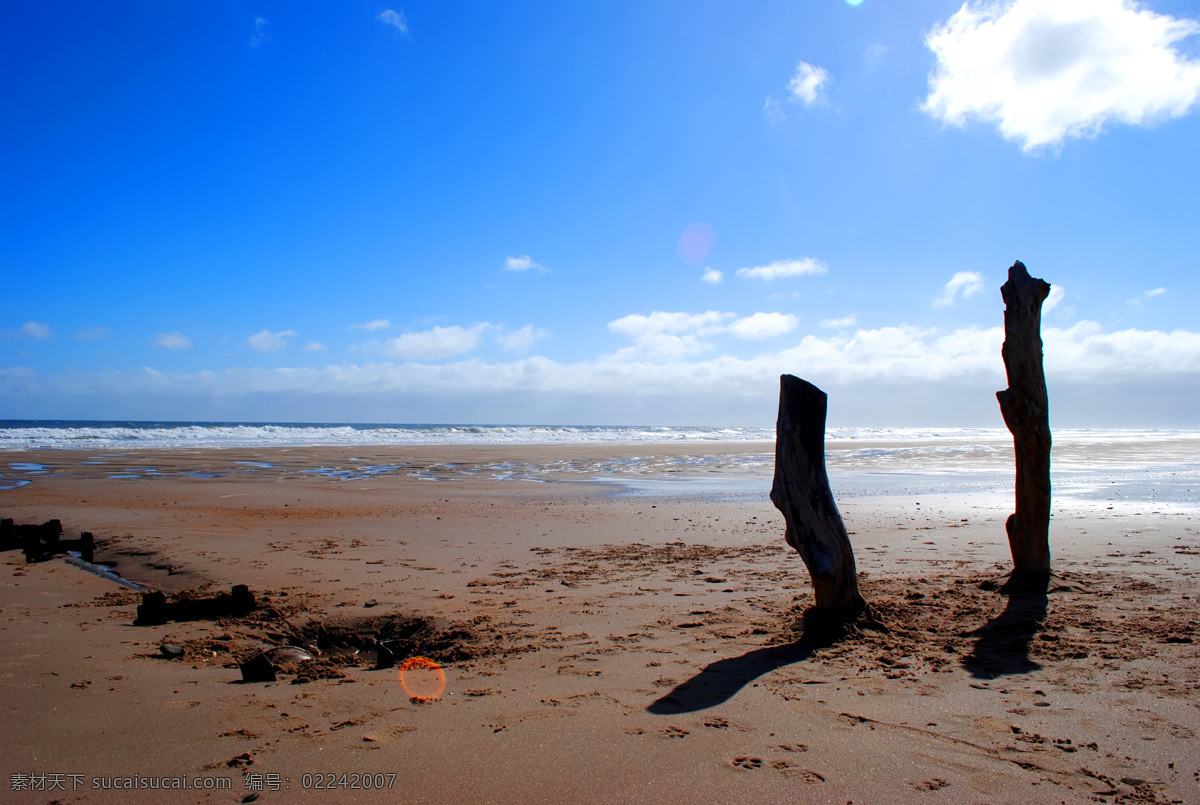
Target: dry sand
595 647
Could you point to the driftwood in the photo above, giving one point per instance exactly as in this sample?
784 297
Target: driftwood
1026 410
801 492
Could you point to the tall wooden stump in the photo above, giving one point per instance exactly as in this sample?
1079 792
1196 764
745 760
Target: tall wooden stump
1026 410
801 491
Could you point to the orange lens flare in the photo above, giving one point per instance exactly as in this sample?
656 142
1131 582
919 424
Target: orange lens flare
422 679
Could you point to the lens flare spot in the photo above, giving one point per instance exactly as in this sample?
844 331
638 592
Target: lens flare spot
422 679
855 2
695 243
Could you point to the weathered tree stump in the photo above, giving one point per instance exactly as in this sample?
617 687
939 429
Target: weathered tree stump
1026 410
801 492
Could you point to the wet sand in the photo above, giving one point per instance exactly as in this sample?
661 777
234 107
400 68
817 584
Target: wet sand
635 648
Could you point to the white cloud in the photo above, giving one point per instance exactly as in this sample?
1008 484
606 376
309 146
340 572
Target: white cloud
636 325
35 329
764 325
805 266
374 324
521 340
712 276
260 33
1057 294
669 334
315 346
523 263
1082 352
968 283
673 335
267 341
395 19
946 370
94 334
807 83
175 340
436 342
842 323
1044 72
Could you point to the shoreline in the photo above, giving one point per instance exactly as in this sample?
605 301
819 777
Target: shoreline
664 628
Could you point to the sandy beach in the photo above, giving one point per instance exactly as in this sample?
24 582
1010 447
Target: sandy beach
637 638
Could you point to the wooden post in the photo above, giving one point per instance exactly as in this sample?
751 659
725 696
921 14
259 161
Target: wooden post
1026 410
153 609
801 492
241 600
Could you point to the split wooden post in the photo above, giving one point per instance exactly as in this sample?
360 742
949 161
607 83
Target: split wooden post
1026 410
801 492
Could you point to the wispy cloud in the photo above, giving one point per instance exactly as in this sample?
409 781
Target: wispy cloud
175 340
773 109
94 334
35 330
966 283
804 267
260 32
315 346
874 54
1045 72
1144 295
523 263
267 341
712 276
374 324
394 19
840 324
806 85
521 340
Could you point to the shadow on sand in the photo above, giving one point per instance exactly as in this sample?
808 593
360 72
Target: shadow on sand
1002 644
720 681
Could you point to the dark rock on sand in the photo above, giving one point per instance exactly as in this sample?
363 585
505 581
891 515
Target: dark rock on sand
258 669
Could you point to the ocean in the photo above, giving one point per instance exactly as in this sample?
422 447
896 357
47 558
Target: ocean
1088 464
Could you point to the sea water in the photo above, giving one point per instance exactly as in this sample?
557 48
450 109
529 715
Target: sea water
1096 464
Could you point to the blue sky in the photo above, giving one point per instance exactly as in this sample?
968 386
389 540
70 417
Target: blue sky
611 212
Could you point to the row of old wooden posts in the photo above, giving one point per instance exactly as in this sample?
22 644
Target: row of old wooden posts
801 487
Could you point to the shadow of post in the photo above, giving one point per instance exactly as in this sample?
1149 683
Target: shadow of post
718 682
1002 644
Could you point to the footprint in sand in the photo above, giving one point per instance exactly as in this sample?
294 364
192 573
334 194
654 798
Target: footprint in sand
717 723
791 747
790 770
675 732
931 785
745 762
240 761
